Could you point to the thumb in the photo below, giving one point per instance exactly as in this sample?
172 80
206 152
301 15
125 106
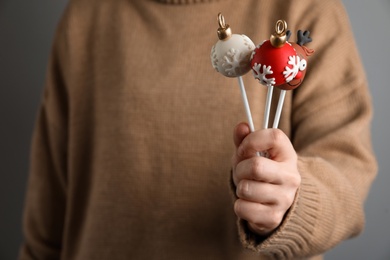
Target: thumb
240 132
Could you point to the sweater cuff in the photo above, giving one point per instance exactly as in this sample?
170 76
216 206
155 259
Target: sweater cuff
293 236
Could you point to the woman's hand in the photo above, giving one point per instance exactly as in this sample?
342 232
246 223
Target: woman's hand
265 187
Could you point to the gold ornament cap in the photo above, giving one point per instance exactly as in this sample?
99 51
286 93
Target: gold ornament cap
279 37
224 32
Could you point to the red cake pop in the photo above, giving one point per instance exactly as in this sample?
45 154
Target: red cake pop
276 62
270 60
297 72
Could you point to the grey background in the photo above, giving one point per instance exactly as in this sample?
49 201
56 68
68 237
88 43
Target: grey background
26 32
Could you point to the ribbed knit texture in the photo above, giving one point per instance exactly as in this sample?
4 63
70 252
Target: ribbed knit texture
133 141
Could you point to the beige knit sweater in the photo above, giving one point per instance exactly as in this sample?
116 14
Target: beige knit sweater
132 147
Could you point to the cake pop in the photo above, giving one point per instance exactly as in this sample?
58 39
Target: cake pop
276 63
303 53
230 56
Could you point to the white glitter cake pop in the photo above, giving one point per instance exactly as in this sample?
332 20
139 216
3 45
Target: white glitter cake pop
230 56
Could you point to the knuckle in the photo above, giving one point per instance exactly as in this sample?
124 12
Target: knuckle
286 200
257 168
296 180
277 136
237 207
242 190
293 179
237 172
275 218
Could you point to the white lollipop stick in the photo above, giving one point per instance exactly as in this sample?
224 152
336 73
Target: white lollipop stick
246 104
268 106
279 109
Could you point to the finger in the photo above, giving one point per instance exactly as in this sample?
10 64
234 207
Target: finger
259 169
277 196
262 216
272 140
240 132
259 229
259 192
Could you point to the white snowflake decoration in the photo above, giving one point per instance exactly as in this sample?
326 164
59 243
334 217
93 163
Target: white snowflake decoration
261 75
297 65
214 58
248 43
234 62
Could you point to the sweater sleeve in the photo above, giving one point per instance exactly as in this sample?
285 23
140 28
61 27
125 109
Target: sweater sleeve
330 118
45 203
